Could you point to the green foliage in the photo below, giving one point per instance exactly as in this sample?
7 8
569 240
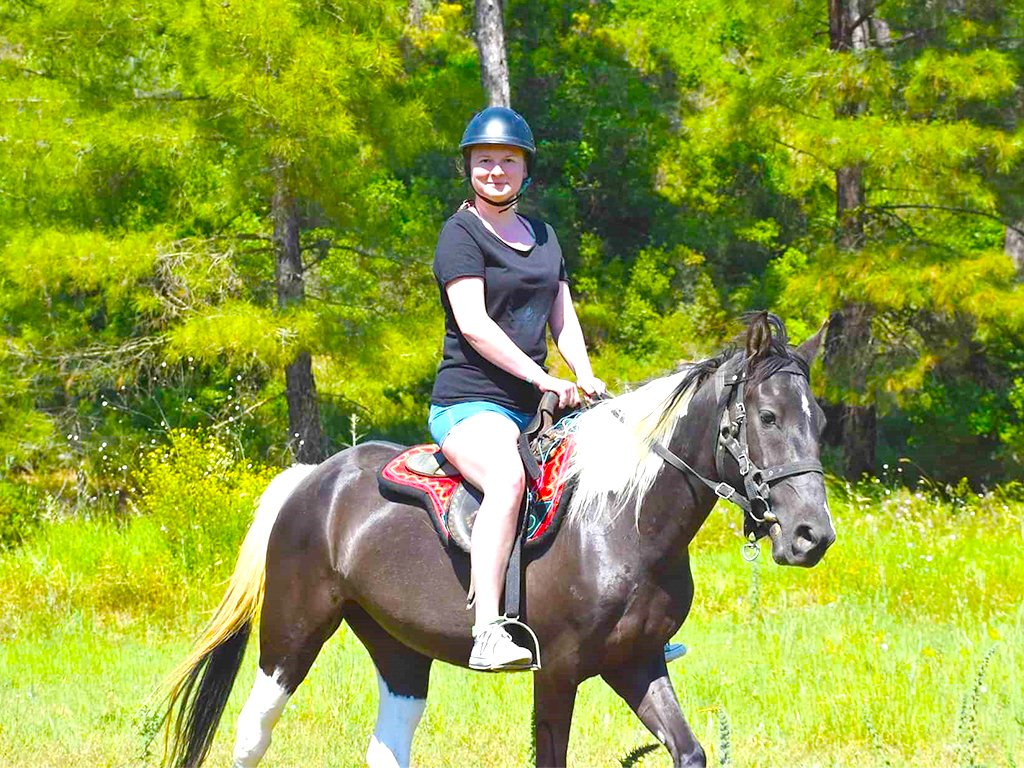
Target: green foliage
724 738
635 755
967 724
201 497
687 160
242 334
20 512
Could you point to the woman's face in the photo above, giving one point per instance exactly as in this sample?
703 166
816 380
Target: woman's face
497 171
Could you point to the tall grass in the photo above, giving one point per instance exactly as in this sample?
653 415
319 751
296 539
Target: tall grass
903 647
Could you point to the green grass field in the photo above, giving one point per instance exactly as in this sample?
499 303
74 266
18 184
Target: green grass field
902 648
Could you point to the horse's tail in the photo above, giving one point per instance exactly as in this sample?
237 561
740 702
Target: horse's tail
198 689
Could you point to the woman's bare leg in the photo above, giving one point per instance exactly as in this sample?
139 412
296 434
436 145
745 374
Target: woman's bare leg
484 448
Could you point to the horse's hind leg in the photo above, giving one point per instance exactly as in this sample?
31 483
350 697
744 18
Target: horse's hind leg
403 676
646 687
259 716
296 620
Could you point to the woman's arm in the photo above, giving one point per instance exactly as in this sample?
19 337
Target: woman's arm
466 296
568 335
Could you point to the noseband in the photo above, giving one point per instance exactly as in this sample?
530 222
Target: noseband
732 440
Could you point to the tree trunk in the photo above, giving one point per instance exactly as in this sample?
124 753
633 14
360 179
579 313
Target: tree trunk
848 343
850 207
847 362
1015 247
305 436
490 41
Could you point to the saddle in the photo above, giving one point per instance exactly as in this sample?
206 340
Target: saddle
422 475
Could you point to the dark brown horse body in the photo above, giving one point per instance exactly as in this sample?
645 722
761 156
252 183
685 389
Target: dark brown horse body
603 597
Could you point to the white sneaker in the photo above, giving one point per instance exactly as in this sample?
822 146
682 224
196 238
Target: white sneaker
495 651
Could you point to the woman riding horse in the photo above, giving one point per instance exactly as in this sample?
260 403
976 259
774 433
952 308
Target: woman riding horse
502 281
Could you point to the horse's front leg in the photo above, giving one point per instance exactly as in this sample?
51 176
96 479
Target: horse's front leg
553 700
646 687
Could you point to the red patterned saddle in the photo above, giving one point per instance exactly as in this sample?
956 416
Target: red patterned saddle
436 487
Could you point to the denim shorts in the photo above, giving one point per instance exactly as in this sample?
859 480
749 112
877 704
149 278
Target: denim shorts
444 417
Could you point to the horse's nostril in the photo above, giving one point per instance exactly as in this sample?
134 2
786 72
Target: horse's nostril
805 538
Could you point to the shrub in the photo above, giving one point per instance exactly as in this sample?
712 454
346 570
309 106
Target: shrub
202 496
19 512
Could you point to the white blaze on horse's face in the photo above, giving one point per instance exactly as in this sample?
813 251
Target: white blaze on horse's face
805 405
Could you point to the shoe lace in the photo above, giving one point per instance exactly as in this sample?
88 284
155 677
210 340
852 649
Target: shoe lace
493 636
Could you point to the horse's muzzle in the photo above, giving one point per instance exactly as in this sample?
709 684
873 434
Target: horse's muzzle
804 546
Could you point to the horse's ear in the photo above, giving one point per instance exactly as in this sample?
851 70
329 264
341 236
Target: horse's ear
810 348
759 337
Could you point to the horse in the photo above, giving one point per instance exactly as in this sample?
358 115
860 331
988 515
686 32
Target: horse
326 546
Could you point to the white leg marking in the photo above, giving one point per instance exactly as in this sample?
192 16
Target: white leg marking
259 715
397 718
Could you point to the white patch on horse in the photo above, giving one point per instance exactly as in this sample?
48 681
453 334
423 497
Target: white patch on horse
259 715
805 404
612 460
397 718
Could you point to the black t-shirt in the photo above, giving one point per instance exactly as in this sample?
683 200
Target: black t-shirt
519 289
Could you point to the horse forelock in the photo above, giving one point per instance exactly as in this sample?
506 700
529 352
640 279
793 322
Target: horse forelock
767 348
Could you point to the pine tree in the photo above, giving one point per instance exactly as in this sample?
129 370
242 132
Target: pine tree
185 143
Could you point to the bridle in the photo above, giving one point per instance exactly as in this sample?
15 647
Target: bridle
758 516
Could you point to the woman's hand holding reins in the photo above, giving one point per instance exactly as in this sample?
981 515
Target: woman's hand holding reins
568 394
593 388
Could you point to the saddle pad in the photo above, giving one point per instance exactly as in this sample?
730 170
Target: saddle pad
435 493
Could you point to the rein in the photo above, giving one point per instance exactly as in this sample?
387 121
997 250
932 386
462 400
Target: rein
758 516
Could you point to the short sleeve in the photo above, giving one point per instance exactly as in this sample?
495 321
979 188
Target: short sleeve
563 274
457 254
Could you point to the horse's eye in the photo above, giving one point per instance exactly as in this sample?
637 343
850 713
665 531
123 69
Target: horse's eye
767 418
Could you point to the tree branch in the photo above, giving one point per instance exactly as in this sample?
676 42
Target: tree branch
325 246
139 95
246 411
804 152
948 209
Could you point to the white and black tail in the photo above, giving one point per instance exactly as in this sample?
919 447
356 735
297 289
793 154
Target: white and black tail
197 691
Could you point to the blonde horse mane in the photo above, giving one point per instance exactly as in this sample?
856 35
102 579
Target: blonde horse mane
612 464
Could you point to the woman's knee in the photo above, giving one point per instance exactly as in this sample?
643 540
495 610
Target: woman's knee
506 479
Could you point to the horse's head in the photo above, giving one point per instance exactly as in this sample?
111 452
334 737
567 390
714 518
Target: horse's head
783 426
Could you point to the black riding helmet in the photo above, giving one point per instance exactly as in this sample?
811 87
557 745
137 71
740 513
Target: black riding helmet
500 125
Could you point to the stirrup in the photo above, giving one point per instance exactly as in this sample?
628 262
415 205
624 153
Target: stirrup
505 621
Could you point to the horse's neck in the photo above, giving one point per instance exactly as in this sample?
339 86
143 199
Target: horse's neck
678 504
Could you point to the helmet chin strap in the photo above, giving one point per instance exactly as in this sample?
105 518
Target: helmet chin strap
507 203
